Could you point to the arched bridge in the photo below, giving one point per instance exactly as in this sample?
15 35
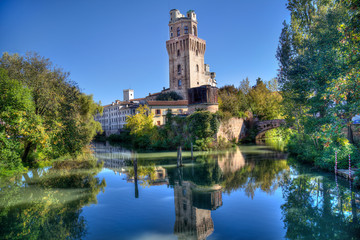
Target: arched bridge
263 126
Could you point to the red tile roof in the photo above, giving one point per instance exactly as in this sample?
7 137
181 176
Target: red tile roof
137 99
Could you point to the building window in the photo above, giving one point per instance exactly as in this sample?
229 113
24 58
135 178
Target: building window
179 69
178 31
158 123
178 53
194 31
197 52
171 34
157 111
179 83
197 67
186 30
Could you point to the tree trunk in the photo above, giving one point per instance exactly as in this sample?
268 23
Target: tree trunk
350 136
28 146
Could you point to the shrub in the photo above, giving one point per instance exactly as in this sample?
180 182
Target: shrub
169 96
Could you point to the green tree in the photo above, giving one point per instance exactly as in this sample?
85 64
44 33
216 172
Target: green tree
141 123
318 56
61 116
19 125
228 100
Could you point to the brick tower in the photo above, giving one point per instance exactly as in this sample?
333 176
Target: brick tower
186 54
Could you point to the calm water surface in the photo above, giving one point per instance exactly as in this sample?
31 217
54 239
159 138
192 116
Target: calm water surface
249 192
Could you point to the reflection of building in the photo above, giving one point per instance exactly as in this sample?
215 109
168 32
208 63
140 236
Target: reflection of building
230 162
104 151
114 157
160 177
193 211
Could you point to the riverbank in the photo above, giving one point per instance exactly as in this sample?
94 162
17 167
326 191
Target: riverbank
305 151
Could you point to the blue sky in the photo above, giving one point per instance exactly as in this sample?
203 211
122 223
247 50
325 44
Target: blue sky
111 45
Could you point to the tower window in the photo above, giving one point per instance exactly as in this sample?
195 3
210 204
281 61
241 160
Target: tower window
178 31
197 52
178 53
179 69
186 30
197 67
194 31
179 83
171 34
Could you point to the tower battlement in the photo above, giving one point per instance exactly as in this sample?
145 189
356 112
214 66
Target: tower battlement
175 15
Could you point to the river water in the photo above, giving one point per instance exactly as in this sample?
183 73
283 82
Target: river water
249 192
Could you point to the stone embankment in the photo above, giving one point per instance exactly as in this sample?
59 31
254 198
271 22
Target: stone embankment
232 129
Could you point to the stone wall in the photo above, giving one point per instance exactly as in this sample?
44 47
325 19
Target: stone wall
234 128
213 108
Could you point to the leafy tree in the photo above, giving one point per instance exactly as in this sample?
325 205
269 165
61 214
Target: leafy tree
319 74
58 119
228 99
141 123
20 126
203 124
169 96
262 100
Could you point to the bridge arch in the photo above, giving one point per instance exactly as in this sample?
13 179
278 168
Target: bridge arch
264 126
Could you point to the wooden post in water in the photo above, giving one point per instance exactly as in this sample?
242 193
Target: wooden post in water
192 150
136 178
179 157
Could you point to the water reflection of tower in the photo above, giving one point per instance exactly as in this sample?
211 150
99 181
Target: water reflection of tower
193 210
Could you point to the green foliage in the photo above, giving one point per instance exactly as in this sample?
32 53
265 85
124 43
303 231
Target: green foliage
318 55
203 144
198 128
43 109
10 160
327 158
141 123
263 100
169 96
203 124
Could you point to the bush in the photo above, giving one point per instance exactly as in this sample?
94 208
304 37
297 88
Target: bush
303 149
327 158
10 160
204 144
169 96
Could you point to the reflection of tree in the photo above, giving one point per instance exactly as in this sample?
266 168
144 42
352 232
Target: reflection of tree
48 205
315 208
260 174
204 172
